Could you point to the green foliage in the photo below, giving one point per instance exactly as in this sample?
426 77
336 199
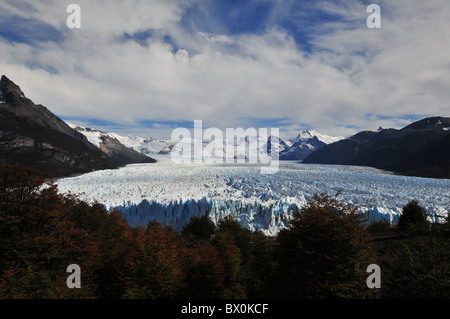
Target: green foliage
199 228
230 253
241 260
261 267
42 232
324 252
241 236
205 273
446 228
154 266
414 217
417 268
379 226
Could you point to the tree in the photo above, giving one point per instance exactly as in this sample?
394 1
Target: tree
199 228
413 217
417 267
261 267
379 226
32 219
43 231
205 272
324 252
225 243
241 235
155 263
110 235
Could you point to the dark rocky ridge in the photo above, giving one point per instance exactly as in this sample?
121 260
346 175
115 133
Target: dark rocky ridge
301 149
32 135
419 149
118 152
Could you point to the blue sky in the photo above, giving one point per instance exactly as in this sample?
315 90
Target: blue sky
145 67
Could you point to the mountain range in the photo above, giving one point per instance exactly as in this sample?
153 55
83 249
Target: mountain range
32 135
296 148
305 143
110 145
419 149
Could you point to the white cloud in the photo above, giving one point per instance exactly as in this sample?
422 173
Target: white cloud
225 79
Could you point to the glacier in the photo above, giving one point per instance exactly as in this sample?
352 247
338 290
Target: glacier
171 193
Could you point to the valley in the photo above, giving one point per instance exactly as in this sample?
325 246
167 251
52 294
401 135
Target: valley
172 193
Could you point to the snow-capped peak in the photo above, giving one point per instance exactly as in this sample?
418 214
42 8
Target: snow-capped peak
306 134
146 145
307 141
93 136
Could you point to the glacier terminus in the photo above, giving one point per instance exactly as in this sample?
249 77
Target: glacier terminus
171 193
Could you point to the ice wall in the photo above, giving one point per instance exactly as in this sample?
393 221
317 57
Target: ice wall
172 193
268 218
256 216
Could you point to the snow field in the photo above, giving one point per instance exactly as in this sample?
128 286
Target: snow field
172 193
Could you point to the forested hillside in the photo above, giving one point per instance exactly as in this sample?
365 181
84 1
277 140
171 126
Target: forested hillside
324 253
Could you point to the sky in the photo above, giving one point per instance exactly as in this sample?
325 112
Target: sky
145 67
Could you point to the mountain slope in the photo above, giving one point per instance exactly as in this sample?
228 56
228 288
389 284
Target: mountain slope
294 149
110 145
142 145
421 149
32 135
305 143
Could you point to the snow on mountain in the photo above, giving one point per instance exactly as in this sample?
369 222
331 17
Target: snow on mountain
139 144
93 136
172 193
299 147
305 135
230 147
305 143
143 145
111 146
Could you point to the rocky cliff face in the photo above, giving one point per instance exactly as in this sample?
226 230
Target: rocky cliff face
111 146
419 149
32 135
